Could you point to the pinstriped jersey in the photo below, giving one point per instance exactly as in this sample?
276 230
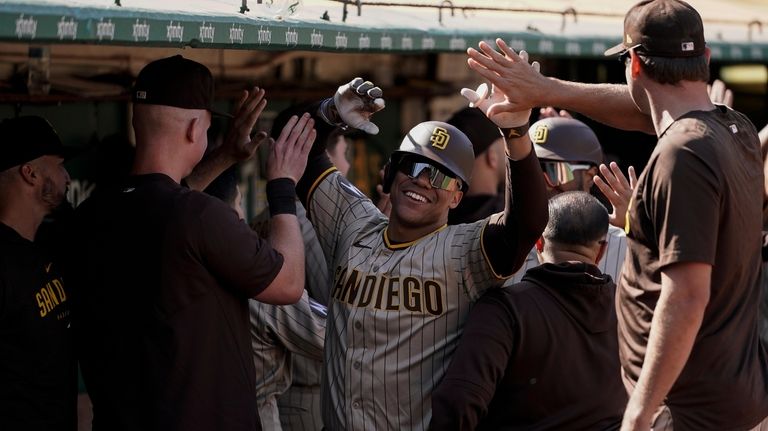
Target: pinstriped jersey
276 333
281 333
613 258
299 405
396 311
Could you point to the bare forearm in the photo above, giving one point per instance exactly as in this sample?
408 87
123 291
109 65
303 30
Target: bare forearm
208 170
285 238
609 104
675 324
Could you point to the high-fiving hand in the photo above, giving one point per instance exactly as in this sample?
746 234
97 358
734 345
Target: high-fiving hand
356 102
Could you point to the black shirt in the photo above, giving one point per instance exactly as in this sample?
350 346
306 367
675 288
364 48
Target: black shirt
541 354
38 375
162 311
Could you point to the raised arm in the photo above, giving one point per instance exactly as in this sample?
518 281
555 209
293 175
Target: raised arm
352 106
510 235
238 144
286 163
610 104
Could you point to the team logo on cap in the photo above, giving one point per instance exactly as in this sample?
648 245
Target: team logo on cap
440 138
141 95
687 46
540 134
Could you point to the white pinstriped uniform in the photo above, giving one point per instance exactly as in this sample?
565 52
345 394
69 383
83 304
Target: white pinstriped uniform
276 333
613 259
300 408
396 311
280 333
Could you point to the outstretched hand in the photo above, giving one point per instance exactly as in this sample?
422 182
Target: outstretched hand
356 102
288 155
238 143
720 94
618 190
521 83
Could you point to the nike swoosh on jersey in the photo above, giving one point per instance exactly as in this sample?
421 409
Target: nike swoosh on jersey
359 244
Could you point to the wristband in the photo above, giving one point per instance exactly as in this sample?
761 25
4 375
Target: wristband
281 196
515 132
325 112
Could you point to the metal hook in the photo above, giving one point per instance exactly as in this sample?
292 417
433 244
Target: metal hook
440 10
569 11
749 28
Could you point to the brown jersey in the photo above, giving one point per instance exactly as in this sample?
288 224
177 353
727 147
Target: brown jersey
700 200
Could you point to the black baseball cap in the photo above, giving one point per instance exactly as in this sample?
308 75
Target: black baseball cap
176 81
481 131
662 28
23 139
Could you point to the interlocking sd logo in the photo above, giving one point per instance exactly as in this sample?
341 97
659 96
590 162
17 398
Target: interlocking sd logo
440 138
540 135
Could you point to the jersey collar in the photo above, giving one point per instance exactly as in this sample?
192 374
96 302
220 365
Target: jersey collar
401 245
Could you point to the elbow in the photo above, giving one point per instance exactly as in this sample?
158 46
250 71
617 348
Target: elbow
293 288
285 289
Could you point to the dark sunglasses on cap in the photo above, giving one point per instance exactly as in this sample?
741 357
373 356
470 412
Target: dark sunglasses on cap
415 167
624 56
557 173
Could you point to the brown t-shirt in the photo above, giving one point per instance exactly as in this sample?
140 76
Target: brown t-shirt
163 276
700 200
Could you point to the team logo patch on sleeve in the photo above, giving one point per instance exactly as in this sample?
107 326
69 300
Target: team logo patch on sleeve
440 138
348 188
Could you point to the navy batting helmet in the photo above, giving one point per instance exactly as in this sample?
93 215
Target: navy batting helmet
566 140
439 142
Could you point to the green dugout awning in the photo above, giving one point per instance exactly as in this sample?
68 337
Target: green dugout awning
393 28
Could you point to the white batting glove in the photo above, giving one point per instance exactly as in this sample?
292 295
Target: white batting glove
355 103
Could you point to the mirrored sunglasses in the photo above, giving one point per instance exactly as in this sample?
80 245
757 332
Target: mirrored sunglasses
437 178
557 173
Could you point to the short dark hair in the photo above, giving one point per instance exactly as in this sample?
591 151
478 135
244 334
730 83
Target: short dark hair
576 218
224 186
672 70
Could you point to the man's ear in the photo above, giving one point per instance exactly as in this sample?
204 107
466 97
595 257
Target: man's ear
635 66
28 173
192 132
601 252
540 244
455 199
490 157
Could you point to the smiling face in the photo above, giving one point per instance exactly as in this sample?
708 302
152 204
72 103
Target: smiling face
418 207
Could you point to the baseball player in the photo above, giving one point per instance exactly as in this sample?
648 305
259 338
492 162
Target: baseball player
569 154
687 298
404 285
278 333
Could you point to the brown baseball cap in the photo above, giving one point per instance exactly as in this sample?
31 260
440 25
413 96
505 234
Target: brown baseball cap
662 28
178 82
